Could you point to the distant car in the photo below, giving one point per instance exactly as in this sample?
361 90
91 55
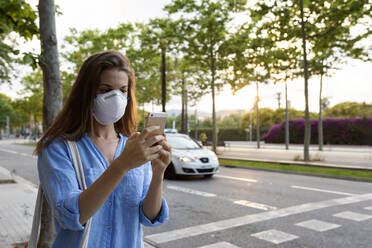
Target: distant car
190 158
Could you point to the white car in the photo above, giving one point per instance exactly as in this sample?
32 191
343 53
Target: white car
190 158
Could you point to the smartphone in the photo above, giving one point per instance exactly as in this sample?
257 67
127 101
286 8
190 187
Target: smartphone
157 119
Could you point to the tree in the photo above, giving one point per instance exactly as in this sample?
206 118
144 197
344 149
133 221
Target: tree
80 45
6 109
161 36
52 100
350 110
16 16
329 32
206 30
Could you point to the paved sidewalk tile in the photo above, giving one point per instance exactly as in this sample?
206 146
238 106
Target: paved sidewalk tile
17 203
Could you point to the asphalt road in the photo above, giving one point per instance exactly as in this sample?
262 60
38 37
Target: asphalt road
247 208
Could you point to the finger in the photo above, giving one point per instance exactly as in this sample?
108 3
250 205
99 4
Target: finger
153 157
134 135
154 149
166 146
148 131
154 139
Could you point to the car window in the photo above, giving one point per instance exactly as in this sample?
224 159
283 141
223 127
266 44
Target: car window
182 142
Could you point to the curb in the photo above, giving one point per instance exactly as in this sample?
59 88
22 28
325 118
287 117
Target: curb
300 173
13 178
319 165
368 180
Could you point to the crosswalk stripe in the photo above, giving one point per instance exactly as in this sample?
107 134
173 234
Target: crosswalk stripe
237 178
322 190
191 191
254 205
253 218
220 245
19 153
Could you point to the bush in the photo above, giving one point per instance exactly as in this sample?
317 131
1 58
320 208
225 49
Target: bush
356 131
225 134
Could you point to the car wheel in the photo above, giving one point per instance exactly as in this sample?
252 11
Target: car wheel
170 172
208 176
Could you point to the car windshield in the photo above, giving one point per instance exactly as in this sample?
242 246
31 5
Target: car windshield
182 142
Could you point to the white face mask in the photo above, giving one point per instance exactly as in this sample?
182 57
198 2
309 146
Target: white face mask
109 107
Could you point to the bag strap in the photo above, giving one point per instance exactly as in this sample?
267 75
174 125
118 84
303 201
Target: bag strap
81 179
32 243
39 201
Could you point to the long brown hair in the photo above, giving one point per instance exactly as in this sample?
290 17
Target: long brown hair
76 117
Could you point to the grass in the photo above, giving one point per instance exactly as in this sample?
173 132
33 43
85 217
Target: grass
27 144
306 169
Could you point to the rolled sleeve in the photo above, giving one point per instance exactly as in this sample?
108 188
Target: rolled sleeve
59 182
160 219
69 212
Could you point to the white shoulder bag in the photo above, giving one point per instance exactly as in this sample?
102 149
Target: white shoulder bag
39 200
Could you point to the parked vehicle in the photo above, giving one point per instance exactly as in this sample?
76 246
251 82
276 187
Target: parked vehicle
190 158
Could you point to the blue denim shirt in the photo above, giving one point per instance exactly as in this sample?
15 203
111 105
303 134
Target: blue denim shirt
118 222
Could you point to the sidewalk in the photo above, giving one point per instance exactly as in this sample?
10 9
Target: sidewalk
17 205
335 157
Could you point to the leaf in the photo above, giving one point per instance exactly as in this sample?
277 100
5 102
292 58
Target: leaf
306 3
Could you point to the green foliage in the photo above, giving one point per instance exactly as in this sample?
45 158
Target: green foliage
8 108
350 110
205 32
133 40
269 117
16 16
330 28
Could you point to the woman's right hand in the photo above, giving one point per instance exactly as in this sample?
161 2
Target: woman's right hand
140 148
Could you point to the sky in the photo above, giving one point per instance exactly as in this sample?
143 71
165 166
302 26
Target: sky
352 83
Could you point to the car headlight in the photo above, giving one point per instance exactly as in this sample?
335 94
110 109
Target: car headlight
185 159
214 157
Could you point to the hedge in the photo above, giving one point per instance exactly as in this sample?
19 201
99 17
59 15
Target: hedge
356 131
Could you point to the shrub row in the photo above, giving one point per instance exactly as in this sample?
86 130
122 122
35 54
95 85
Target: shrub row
356 131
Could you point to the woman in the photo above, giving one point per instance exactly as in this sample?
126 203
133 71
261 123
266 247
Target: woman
124 175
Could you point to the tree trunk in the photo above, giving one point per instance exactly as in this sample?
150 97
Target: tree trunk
196 124
257 119
183 130
214 130
307 116
320 121
286 118
143 116
186 111
52 100
163 79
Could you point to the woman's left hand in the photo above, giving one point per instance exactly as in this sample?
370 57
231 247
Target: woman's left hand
160 164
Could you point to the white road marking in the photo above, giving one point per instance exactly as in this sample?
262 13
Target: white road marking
19 153
237 178
368 208
220 245
353 216
274 236
322 190
317 225
253 218
147 245
191 191
255 205
206 194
